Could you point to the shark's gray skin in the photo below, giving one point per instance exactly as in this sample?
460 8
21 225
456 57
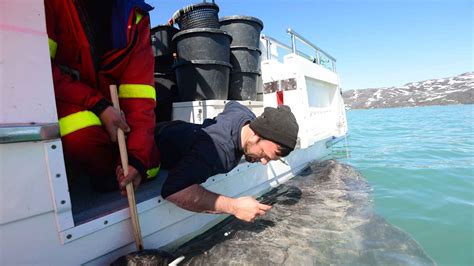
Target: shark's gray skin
323 216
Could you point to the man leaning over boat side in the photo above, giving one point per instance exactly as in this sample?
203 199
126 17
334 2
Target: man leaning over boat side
194 152
94 44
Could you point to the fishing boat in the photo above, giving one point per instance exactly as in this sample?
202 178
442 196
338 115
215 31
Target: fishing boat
45 221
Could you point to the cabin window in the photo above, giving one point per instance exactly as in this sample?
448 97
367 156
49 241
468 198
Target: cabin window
320 94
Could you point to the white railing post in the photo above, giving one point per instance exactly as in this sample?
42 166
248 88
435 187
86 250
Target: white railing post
294 35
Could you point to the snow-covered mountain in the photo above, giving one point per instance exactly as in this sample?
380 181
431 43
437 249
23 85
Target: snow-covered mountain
454 90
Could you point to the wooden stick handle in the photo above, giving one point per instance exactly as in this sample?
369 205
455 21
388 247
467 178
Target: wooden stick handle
124 158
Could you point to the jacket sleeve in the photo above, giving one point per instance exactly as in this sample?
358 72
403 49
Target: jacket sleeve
71 91
138 101
66 88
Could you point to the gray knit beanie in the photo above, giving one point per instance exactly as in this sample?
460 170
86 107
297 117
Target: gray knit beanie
278 125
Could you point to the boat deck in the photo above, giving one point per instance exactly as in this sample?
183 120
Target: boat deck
88 204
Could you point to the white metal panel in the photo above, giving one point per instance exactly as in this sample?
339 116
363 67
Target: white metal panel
58 184
305 67
320 94
37 235
26 87
273 70
23 181
313 102
321 110
197 111
27 14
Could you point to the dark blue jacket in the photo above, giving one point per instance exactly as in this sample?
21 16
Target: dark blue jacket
194 152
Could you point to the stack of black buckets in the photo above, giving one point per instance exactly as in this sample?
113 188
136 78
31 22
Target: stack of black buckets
245 55
216 59
165 79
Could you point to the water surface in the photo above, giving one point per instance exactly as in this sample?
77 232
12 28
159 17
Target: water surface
420 163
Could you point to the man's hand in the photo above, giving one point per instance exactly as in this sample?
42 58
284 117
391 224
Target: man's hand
248 208
112 120
133 176
195 198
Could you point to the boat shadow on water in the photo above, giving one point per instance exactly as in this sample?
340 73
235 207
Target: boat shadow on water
324 215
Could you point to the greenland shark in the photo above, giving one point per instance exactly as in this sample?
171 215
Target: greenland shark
323 216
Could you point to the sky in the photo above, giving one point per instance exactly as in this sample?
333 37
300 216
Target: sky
377 43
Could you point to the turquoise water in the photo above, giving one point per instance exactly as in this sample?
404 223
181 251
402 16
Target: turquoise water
420 162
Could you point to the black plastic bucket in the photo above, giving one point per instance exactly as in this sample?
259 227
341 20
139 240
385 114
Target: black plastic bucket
244 30
161 67
244 59
163 47
203 44
167 93
161 37
202 15
243 86
202 80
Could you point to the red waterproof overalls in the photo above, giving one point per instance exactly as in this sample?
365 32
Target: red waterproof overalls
86 144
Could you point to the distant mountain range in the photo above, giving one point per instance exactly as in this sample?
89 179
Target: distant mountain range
454 90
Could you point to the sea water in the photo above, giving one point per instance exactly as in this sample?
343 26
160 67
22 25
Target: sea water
420 163
418 166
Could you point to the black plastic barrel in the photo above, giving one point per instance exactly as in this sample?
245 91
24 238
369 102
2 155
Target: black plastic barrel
161 37
245 30
245 59
163 47
243 86
166 91
244 76
202 15
203 44
202 80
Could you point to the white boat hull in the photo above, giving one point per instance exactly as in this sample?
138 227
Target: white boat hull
36 219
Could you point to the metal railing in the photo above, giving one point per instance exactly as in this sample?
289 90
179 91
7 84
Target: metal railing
269 41
318 52
11 133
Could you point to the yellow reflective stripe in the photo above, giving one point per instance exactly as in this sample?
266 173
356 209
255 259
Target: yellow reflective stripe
138 17
152 172
76 121
137 91
53 46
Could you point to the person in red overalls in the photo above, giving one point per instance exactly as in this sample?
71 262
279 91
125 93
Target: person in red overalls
94 44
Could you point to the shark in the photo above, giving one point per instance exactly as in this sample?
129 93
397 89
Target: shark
323 216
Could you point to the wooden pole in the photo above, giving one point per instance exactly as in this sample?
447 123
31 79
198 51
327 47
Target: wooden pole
124 158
